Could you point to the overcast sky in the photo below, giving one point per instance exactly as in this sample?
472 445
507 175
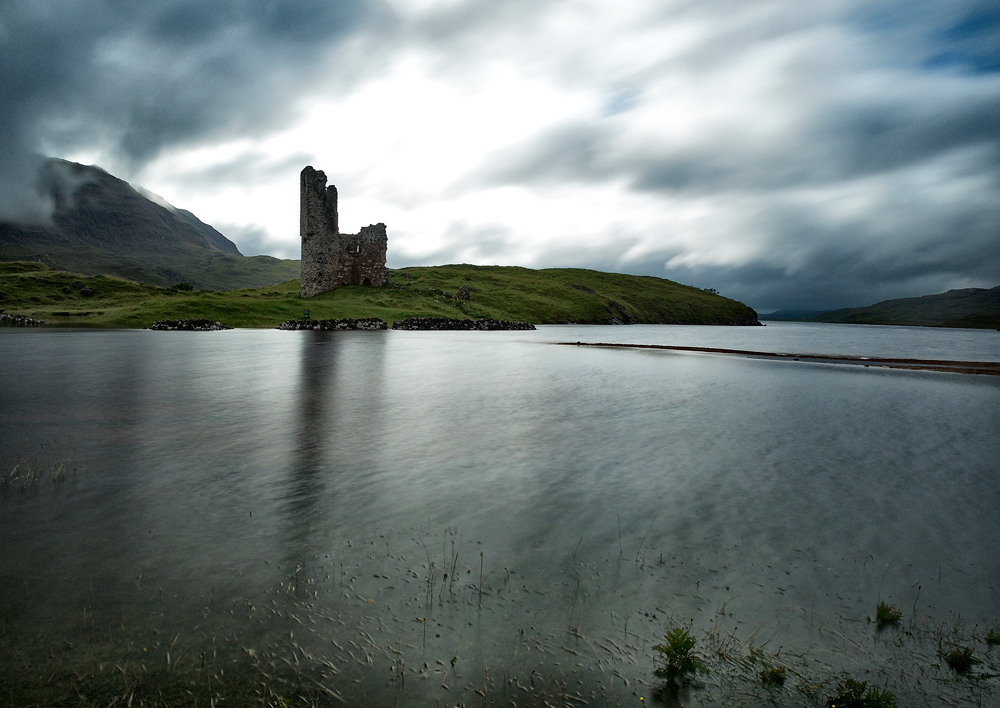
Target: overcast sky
790 154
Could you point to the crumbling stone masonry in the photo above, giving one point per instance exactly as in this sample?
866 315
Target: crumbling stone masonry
329 258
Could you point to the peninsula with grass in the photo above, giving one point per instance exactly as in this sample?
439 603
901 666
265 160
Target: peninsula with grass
549 296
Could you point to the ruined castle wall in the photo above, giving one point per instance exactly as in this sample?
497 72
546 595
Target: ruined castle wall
318 227
362 257
329 258
320 265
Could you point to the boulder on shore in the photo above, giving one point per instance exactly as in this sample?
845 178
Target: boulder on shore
188 326
18 320
370 323
428 323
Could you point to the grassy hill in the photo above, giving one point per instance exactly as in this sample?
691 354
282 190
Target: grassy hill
550 296
969 307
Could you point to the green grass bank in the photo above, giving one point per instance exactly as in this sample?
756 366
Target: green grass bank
549 296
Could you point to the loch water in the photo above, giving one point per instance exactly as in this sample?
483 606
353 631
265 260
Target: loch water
411 517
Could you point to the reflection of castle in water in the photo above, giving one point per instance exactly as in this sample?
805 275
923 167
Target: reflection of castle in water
338 439
329 258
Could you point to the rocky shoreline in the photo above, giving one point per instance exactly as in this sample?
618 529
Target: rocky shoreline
370 323
188 326
18 320
445 323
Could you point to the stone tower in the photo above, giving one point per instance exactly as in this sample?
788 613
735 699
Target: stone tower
329 258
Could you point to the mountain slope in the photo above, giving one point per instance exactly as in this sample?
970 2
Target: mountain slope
101 224
969 307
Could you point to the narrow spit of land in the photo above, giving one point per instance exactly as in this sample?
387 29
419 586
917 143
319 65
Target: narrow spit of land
988 368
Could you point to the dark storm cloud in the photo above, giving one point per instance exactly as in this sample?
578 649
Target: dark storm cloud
842 138
836 264
462 23
911 248
576 151
248 168
37 57
836 129
135 78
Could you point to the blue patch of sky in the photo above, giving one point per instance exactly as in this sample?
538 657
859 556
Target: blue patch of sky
966 37
973 43
621 101
882 17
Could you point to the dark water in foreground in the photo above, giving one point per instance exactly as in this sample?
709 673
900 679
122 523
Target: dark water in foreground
486 511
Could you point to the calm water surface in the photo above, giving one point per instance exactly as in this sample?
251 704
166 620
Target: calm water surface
440 503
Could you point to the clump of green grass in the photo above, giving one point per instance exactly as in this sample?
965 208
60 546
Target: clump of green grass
858 694
992 638
51 460
887 614
680 663
960 659
22 471
773 677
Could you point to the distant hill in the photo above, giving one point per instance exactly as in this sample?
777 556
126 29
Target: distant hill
550 296
969 307
102 225
790 315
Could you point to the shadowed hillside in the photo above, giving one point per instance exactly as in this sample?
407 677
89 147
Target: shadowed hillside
969 307
101 225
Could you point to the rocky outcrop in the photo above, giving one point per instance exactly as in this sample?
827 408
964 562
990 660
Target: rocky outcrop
18 320
329 325
428 323
188 326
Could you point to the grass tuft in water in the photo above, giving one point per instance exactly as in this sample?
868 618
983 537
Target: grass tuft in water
887 614
992 638
852 693
773 677
680 663
960 659
52 460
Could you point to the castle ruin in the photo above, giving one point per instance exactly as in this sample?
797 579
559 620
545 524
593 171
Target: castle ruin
329 258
